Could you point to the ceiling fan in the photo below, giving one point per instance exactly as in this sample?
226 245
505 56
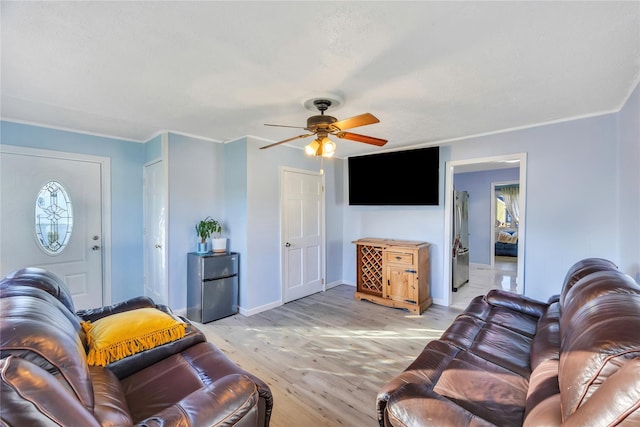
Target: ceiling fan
323 126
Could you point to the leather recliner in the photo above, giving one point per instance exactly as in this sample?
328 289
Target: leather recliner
509 360
46 379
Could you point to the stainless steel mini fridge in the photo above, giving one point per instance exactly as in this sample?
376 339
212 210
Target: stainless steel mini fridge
212 286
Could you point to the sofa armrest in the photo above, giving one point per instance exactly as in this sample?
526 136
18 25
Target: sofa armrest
228 401
94 314
553 298
513 301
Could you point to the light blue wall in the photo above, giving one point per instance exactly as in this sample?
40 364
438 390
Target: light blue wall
571 168
478 184
235 190
253 202
153 149
423 223
127 158
195 192
587 169
629 186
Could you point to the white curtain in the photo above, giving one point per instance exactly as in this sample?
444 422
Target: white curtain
511 195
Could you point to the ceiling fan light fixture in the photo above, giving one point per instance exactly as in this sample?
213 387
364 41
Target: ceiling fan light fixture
328 147
312 148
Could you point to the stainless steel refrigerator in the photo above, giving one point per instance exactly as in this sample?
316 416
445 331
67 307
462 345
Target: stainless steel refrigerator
212 286
460 240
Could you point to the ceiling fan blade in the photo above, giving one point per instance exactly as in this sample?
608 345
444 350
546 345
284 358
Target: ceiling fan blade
286 140
355 121
362 138
285 126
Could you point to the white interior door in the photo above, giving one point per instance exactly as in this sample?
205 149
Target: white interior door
65 235
303 234
155 227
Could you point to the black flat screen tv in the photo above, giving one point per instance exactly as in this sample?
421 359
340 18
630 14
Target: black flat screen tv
409 177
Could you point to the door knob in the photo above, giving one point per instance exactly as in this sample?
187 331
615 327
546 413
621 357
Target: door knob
158 246
288 245
95 248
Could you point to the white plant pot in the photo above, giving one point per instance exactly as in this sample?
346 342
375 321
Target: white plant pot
219 244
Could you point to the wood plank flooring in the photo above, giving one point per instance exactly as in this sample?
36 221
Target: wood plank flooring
326 356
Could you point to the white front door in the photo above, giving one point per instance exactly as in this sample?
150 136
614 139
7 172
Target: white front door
155 226
78 261
303 233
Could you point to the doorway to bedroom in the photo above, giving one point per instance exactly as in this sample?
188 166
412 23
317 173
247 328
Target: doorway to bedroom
479 178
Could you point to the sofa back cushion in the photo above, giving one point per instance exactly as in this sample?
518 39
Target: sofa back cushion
32 396
599 336
33 327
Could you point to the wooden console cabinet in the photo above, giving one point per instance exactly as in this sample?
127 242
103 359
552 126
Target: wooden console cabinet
394 273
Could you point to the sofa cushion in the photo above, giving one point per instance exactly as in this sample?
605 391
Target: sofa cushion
120 335
504 347
489 391
31 396
512 311
232 400
416 405
36 330
543 396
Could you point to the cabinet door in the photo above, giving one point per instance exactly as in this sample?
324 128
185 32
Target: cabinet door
400 281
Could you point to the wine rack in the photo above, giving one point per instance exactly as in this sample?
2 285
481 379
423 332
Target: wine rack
394 273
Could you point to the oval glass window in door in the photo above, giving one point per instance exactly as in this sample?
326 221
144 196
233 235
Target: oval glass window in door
54 218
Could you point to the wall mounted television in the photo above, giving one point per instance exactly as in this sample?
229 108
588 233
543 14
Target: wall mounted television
408 177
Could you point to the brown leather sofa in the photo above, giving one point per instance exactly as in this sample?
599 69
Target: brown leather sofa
508 360
46 379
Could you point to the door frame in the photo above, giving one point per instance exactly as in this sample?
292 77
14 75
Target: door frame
323 238
480 164
105 178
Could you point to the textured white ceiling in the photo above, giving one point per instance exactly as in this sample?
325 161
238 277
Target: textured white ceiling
430 71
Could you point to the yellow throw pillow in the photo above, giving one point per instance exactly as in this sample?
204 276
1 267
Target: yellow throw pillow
124 334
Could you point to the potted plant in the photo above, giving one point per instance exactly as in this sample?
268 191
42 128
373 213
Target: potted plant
205 229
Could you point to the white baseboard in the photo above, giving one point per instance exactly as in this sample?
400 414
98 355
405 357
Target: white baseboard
438 301
334 284
260 309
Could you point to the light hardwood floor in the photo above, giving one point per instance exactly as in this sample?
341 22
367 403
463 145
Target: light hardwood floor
326 356
483 278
